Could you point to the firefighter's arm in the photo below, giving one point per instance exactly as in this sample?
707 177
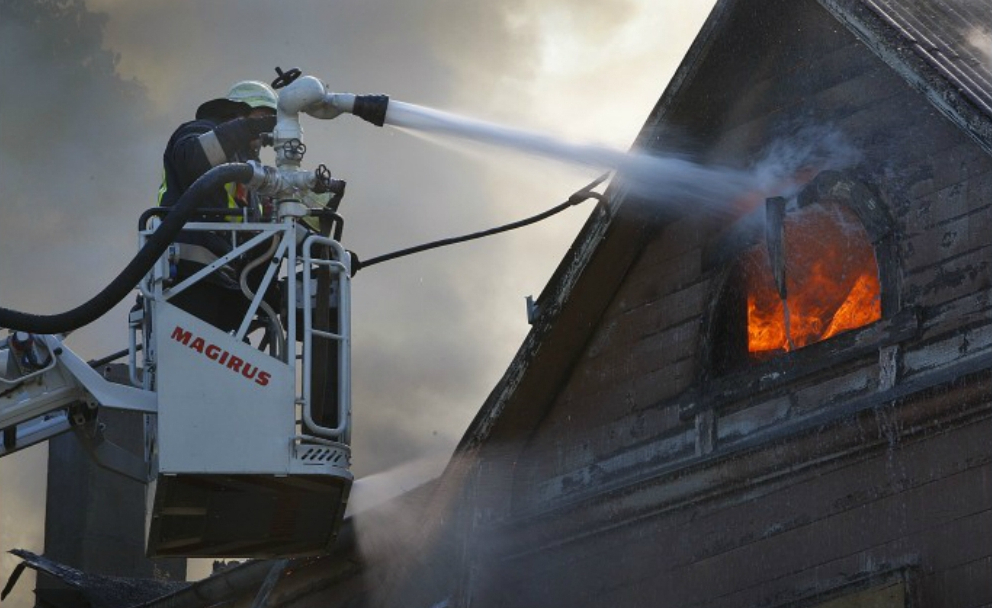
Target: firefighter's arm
223 142
198 147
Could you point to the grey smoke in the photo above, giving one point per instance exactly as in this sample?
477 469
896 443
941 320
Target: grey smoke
73 170
81 141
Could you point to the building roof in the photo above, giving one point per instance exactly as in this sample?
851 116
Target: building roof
91 590
953 36
941 47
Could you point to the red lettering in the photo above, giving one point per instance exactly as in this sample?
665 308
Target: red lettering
181 335
263 379
235 363
218 354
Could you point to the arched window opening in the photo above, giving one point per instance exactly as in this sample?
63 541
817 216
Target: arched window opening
804 271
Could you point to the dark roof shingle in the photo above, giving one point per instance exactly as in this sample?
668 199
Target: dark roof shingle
953 36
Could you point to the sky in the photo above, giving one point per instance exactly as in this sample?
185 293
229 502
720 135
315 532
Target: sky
81 137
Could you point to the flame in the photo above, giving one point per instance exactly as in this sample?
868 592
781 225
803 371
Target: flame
831 283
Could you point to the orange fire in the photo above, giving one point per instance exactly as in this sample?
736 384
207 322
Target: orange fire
831 282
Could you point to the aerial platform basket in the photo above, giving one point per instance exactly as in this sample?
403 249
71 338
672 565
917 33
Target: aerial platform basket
247 431
250 453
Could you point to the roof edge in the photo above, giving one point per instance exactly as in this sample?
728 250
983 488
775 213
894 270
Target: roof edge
908 59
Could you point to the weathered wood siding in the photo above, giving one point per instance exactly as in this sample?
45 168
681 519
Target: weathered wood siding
647 482
915 508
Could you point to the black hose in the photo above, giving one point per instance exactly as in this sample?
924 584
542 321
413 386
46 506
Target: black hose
128 278
580 196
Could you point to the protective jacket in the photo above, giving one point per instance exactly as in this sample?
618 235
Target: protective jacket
193 149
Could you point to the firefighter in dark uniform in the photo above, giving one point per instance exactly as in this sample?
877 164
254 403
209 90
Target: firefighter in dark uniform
227 129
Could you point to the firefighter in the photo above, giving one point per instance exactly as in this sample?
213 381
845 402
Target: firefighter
227 129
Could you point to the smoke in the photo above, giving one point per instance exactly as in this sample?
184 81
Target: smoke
414 549
408 543
979 37
95 89
22 496
77 159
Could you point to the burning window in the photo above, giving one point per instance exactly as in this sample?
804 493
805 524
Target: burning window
821 280
810 276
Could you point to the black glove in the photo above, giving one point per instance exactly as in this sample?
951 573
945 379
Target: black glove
235 135
261 124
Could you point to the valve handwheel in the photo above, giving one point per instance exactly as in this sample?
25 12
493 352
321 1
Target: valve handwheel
285 78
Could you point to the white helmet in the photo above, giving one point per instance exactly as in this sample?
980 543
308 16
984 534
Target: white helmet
242 97
254 93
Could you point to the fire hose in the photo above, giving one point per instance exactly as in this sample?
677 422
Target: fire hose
139 265
579 196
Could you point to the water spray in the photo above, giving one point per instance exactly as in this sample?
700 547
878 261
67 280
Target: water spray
669 179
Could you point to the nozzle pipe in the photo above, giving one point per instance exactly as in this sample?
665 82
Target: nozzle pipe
128 278
371 108
309 95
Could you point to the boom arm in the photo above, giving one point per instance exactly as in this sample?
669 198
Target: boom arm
47 390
